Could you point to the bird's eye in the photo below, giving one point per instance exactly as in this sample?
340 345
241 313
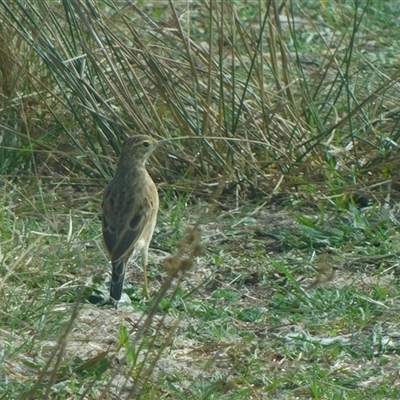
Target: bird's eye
146 144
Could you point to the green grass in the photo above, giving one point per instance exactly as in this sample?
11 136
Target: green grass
248 324
285 124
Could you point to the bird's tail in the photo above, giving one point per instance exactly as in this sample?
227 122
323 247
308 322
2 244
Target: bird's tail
117 279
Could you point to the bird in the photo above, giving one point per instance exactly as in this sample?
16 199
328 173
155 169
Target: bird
129 210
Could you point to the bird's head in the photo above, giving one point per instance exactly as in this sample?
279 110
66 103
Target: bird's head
137 149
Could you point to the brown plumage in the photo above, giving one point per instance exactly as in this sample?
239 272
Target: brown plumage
130 207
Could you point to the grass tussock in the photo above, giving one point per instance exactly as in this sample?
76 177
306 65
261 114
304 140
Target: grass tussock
261 93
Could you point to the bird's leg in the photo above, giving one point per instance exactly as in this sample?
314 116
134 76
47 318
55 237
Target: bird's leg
146 287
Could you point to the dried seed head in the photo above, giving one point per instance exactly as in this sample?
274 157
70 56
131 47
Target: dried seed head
186 264
190 234
197 250
189 247
171 264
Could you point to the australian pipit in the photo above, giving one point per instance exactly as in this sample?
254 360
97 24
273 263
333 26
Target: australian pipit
130 207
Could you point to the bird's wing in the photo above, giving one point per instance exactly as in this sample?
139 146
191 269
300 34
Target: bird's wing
123 223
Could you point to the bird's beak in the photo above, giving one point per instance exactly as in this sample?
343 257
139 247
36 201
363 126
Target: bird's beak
163 142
